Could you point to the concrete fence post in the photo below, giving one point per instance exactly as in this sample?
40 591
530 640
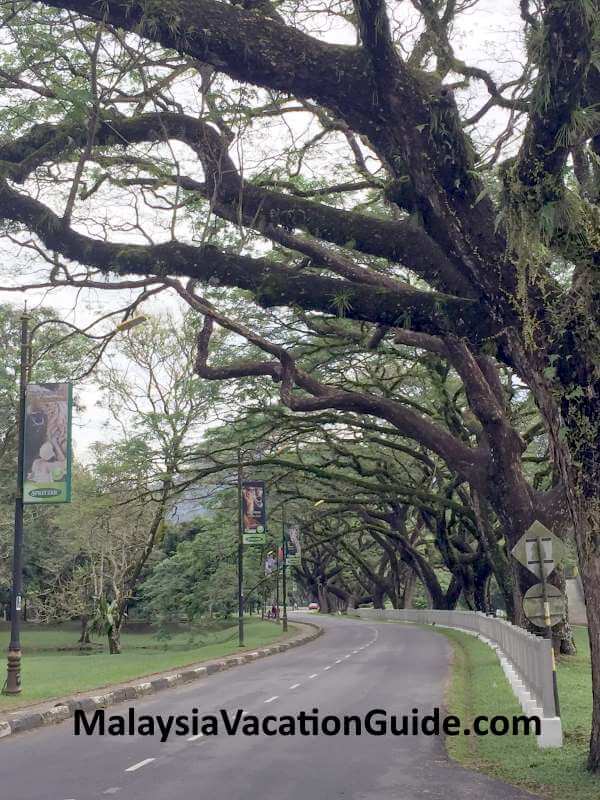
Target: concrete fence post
525 658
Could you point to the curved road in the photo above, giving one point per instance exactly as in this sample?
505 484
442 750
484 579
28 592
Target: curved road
356 666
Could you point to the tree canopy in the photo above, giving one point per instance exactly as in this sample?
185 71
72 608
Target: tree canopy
293 170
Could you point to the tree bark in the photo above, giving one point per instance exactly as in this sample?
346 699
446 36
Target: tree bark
409 588
114 641
590 577
84 636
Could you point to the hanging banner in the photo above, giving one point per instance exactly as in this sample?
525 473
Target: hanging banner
47 450
254 512
293 545
270 564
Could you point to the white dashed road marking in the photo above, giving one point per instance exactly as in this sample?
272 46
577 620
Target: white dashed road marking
339 661
295 685
140 764
270 700
326 668
314 675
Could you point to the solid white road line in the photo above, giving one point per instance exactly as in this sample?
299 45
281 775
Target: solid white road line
140 764
194 738
270 700
295 685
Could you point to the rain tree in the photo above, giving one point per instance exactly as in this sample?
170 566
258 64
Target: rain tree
343 160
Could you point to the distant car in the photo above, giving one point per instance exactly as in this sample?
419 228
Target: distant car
314 607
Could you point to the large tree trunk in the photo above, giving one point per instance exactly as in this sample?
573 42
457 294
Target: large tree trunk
495 551
394 582
481 593
378 597
409 588
324 604
590 577
562 634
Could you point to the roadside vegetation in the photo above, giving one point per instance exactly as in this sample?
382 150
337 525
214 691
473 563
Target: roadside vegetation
478 686
54 666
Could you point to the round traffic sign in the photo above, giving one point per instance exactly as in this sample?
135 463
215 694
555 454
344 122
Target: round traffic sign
533 605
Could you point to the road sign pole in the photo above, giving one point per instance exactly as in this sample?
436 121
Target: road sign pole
548 624
240 558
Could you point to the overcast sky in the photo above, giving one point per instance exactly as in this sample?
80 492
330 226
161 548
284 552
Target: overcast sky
487 36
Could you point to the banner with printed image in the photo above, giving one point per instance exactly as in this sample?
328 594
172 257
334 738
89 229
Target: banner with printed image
270 564
47 445
293 545
254 512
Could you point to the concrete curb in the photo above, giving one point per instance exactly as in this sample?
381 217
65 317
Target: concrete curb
66 708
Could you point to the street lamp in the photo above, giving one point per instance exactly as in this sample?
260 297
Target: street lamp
13 667
284 578
258 450
240 552
13 670
285 550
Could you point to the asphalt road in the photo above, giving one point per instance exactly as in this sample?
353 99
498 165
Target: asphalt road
356 666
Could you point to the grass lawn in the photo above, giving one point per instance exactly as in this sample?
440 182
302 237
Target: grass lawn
50 672
478 686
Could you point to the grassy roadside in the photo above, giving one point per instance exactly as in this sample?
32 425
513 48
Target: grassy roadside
50 671
478 686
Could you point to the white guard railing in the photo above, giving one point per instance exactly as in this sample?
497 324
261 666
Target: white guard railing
526 658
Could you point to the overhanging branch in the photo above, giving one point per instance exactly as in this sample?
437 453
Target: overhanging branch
270 283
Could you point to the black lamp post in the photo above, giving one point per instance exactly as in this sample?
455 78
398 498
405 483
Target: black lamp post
283 574
13 670
240 553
